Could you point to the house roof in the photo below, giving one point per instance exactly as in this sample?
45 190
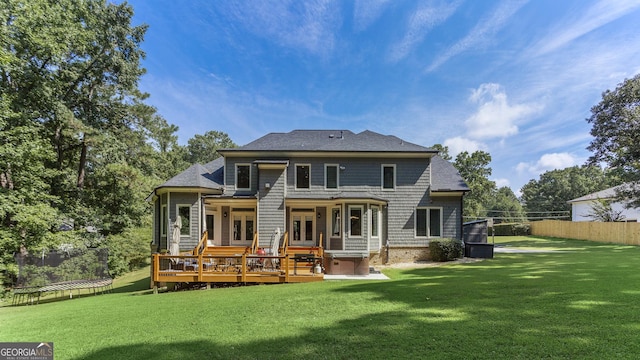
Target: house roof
445 177
332 141
609 193
207 176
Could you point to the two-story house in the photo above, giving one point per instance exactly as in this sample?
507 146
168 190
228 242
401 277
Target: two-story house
371 198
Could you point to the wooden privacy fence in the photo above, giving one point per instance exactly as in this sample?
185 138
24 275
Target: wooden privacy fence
627 233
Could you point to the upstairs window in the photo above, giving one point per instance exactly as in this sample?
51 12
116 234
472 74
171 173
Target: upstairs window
302 176
331 176
388 177
243 176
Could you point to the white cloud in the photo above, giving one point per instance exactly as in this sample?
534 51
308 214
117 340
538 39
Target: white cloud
199 106
420 23
601 13
501 182
459 144
484 29
307 25
548 162
366 12
495 117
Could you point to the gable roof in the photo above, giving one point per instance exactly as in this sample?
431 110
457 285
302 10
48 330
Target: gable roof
208 176
331 141
605 194
445 177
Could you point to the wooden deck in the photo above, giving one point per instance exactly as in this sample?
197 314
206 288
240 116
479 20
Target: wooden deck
236 264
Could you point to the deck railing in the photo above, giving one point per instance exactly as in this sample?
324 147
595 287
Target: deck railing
201 244
240 264
234 268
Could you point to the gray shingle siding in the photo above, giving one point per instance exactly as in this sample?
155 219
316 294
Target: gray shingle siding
356 243
271 205
412 181
190 199
230 176
418 174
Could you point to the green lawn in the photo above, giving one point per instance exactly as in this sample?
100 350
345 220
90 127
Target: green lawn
578 302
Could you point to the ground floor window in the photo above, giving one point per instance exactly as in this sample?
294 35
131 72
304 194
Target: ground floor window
335 222
375 221
355 221
184 211
164 220
428 222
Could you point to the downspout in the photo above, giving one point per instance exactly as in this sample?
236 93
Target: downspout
461 216
155 219
386 233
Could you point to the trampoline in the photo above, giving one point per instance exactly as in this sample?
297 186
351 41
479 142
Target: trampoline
61 271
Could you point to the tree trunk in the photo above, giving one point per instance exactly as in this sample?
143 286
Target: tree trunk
5 179
81 165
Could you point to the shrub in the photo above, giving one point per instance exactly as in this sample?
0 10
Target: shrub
445 249
129 250
515 229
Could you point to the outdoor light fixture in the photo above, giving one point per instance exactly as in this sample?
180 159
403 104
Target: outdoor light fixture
342 167
318 215
224 214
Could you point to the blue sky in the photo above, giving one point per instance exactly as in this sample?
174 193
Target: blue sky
514 78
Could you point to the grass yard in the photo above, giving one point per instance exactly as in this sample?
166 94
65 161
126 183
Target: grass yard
578 302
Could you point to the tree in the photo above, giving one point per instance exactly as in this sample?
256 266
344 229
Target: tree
505 206
554 188
202 148
443 151
615 131
601 210
73 72
73 138
474 169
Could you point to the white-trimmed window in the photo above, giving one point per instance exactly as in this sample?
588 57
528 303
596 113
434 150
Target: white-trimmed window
388 176
355 221
243 225
428 222
335 222
331 179
302 225
375 221
164 217
303 173
185 219
243 176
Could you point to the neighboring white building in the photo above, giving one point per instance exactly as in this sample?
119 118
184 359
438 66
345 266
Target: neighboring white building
581 207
